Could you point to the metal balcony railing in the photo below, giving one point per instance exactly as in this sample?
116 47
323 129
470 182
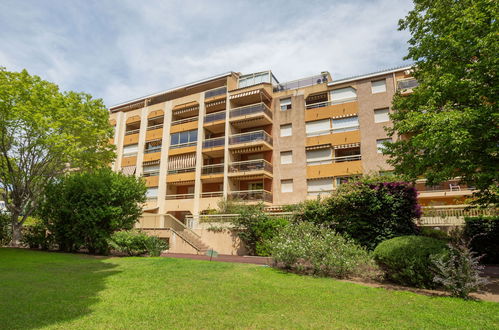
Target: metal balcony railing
407 84
250 109
182 170
212 194
153 173
150 128
335 160
133 131
214 117
250 137
215 142
212 169
333 130
253 195
183 145
179 196
328 103
300 83
250 165
215 92
185 120
152 150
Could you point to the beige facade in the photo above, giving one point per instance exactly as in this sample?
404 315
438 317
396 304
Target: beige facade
252 138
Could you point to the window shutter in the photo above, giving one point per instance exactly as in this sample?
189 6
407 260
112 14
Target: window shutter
378 86
346 124
381 115
320 185
286 130
313 127
343 94
287 186
130 150
318 155
286 157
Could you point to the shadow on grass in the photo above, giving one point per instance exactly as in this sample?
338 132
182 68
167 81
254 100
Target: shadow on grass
39 289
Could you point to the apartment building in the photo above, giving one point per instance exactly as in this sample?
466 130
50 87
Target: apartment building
251 137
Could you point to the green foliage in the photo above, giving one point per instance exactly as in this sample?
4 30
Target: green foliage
83 209
459 271
407 260
256 228
307 248
42 130
36 236
5 229
368 210
135 242
434 233
483 233
451 118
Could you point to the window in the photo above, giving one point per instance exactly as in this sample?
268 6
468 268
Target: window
255 186
152 192
287 186
130 150
378 86
285 104
381 115
286 157
318 127
286 130
150 170
318 157
315 187
339 180
188 137
380 146
343 95
345 124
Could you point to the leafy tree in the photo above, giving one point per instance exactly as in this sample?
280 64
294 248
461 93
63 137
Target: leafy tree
450 124
42 132
90 207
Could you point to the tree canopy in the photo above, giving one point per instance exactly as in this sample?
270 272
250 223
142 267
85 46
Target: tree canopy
449 125
44 132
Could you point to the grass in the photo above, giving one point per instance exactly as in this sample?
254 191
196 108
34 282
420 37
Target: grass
65 291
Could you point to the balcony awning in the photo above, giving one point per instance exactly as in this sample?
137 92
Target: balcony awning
155 143
250 177
151 162
317 147
247 149
346 146
319 96
212 104
133 119
253 92
182 183
155 114
129 170
345 116
186 105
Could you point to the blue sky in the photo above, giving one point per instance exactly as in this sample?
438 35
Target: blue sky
120 50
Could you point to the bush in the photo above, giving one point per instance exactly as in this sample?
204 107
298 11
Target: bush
306 248
483 233
435 233
134 243
406 260
367 210
83 209
256 228
459 272
5 230
36 236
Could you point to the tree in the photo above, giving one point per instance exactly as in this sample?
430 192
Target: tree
91 206
42 132
449 125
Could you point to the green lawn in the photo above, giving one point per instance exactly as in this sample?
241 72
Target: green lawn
55 290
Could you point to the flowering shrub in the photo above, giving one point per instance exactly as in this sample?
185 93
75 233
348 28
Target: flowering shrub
306 248
367 210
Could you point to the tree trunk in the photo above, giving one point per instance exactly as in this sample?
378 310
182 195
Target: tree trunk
16 234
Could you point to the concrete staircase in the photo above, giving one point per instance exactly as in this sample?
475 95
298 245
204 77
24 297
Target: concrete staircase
185 233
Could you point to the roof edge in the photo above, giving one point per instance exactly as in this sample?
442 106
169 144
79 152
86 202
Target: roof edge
368 75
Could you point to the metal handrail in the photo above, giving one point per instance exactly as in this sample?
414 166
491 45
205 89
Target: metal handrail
183 145
185 120
250 109
212 194
152 150
148 174
251 165
131 154
150 128
335 160
300 83
327 103
179 196
220 115
250 137
134 131
333 131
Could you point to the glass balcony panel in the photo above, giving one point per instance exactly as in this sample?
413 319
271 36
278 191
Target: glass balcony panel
214 117
251 165
250 109
215 92
250 137
213 169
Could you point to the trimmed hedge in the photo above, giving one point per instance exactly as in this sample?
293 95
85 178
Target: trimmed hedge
407 259
483 232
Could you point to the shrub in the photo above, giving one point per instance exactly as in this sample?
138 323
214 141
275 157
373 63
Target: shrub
36 236
134 243
83 209
256 228
434 233
5 230
367 210
406 260
459 272
306 248
483 233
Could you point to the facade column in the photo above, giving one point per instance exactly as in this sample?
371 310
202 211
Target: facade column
226 145
163 164
142 140
119 134
199 158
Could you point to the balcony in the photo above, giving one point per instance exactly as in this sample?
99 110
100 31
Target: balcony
213 143
335 160
329 103
252 195
258 166
133 131
250 139
409 83
212 194
184 120
212 94
179 196
300 83
212 169
184 145
182 170
253 115
213 117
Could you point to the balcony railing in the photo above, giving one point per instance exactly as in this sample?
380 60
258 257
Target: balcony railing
182 170
333 130
407 84
335 160
250 109
328 103
214 117
250 165
185 120
215 142
150 128
212 194
212 169
300 83
252 195
152 150
215 92
250 137
179 196
130 154
147 174
183 145
133 131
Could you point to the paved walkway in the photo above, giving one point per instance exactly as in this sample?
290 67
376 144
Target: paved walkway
222 258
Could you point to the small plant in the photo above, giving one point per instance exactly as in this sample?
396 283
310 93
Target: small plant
459 272
135 242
